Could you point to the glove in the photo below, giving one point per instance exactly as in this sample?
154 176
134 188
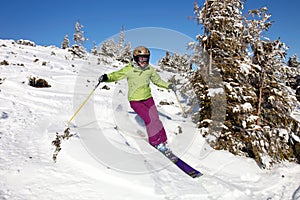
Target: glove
172 87
103 78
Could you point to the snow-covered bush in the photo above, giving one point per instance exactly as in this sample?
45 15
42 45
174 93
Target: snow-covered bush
25 42
78 50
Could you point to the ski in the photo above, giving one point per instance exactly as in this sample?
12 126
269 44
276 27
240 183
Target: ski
186 168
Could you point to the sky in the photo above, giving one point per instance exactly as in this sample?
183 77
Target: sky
46 22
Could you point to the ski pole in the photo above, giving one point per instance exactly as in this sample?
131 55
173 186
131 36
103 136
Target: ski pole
83 103
180 105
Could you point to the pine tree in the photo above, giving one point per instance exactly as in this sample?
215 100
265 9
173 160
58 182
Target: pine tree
259 105
123 50
78 36
117 50
125 54
175 62
224 42
108 48
66 42
293 61
121 42
294 80
79 39
94 50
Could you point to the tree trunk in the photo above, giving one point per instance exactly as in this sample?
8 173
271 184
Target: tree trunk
260 97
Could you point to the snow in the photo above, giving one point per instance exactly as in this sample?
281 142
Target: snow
109 157
245 69
214 91
247 107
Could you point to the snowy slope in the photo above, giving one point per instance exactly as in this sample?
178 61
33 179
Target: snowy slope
109 157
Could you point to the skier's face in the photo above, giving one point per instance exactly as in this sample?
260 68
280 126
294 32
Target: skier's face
143 64
143 61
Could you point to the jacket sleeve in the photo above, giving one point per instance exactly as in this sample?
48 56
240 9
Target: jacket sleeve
118 75
156 79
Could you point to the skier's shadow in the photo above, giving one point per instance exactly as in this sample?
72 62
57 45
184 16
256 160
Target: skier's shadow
140 121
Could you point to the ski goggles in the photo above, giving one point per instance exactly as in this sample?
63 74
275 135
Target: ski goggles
143 58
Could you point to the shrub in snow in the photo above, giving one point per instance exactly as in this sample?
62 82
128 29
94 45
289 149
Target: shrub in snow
26 42
78 51
164 102
2 80
38 83
4 62
57 142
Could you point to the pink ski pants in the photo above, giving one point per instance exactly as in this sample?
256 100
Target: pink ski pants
146 109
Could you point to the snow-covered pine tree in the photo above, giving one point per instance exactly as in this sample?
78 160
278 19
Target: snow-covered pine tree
123 50
175 63
181 68
198 85
258 122
77 49
78 36
224 42
125 54
107 50
275 101
121 42
66 42
294 80
94 50
293 61
116 50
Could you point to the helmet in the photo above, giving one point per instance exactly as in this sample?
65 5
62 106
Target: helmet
141 51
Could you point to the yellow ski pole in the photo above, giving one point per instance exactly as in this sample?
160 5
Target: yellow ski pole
180 105
83 103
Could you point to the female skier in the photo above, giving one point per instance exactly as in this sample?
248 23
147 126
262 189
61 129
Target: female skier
139 74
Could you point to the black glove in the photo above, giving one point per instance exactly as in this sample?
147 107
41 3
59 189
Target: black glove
103 78
172 87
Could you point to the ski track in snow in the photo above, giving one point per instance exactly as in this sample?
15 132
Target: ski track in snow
30 117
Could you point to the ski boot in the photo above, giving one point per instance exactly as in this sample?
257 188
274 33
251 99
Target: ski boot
163 148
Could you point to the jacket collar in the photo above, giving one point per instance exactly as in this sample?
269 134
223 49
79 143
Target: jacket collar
136 66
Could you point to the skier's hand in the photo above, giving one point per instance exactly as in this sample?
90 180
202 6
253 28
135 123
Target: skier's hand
103 78
172 87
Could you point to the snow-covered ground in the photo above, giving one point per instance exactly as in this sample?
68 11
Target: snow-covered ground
108 158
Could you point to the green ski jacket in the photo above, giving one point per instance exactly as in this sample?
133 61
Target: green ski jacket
138 81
